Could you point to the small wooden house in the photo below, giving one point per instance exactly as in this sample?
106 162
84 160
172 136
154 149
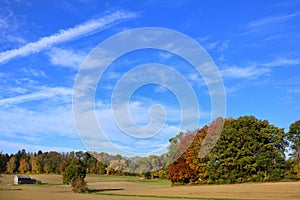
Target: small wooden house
23 179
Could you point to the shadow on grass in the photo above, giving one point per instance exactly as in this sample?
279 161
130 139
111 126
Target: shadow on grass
107 193
9 189
104 190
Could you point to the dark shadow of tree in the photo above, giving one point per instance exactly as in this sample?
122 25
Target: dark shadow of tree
104 190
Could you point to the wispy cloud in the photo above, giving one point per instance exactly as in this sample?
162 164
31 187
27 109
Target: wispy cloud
282 62
41 94
33 125
285 4
267 21
11 147
218 46
9 26
257 69
126 132
87 28
244 72
66 58
33 72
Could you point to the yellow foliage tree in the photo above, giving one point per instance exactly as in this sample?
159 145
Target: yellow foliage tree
24 166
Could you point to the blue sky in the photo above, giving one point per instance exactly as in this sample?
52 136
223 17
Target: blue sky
255 46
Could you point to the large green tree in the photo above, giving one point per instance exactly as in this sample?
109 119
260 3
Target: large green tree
74 175
249 150
4 158
73 172
294 138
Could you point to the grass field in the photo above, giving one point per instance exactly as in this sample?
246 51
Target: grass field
118 187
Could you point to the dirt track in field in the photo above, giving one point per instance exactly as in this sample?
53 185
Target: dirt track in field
120 186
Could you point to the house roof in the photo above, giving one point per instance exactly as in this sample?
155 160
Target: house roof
23 176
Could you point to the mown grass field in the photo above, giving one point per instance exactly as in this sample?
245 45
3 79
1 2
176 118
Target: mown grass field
118 187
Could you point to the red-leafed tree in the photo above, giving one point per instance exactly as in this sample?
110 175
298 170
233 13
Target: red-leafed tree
180 172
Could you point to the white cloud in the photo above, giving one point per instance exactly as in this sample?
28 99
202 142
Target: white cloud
43 93
165 55
257 69
267 21
160 89
33 72
9 25
80 30
29 124
11 147
281 62
270 25
132 141
249 72
112 75
36 123
66 58
196 79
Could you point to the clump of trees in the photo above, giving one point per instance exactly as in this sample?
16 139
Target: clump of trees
248 150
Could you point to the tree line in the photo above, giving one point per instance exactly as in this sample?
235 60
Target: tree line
248 150
48 162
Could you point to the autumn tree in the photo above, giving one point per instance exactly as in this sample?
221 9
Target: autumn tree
11 165
192 158
24 166
180 172
62 167
118 165
79 185
36 164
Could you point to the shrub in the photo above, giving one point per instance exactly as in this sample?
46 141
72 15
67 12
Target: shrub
79 185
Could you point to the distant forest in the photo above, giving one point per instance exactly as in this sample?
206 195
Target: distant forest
248 150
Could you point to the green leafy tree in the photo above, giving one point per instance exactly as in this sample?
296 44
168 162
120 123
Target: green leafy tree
294 138
249 150
74 175
73 172
4 158
52 162
100 168
173 149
